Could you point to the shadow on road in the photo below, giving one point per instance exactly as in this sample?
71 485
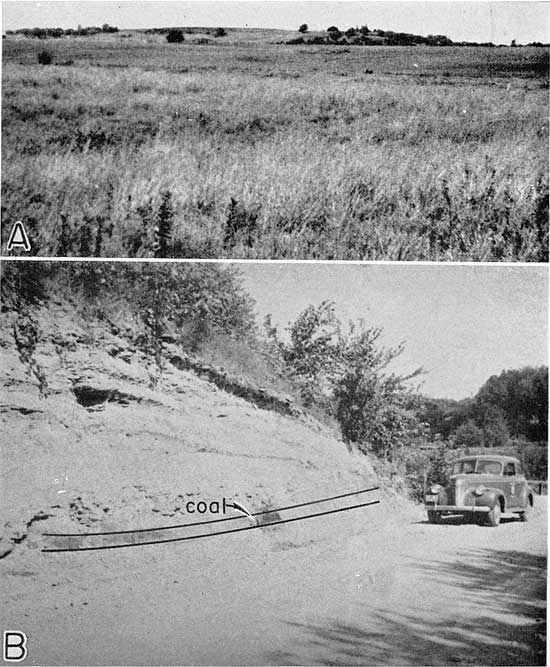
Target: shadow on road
494 615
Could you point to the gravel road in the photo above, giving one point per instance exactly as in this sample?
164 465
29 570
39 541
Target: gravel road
377 588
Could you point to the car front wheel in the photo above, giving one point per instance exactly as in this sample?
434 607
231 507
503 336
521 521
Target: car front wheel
493 517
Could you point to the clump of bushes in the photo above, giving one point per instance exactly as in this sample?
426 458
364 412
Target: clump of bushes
45 58
334 33
175 37
220 32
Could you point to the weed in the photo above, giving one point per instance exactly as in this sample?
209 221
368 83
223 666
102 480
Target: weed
163 230
26 334
240 225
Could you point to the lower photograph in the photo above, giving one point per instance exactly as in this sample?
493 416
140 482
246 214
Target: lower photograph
261 463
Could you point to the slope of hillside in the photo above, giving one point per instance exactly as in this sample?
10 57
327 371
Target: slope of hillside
103 450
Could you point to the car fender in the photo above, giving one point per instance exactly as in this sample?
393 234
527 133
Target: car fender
526 496
489 498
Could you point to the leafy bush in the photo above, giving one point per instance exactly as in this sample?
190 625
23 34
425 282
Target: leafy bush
303 28
534 457
45 58
344 371
175 37
426 466
193 301
469 435
220 32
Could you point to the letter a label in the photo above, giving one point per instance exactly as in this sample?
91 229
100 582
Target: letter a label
18 238
15 646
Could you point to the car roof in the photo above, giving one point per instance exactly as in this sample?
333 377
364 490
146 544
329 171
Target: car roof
488 457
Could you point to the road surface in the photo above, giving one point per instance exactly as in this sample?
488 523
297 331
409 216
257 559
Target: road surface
375 588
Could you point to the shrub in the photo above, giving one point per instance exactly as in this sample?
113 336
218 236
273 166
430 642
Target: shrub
175 37
316 40
469 435
534 457
220 32
26 334
303 28
45 58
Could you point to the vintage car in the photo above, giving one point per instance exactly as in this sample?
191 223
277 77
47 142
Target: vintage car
481 487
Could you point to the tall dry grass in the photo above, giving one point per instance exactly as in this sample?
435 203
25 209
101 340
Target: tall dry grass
320 166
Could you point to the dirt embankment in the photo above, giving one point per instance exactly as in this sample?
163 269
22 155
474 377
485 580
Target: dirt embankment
103 450
376 585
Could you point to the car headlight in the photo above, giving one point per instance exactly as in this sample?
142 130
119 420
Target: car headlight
435 488
479 491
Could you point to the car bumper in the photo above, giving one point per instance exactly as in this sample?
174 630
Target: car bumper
433 507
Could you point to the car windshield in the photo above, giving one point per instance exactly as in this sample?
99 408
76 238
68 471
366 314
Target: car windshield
476 466
489 467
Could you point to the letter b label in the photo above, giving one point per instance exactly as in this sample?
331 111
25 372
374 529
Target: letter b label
15 646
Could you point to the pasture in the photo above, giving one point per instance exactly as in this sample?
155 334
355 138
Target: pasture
244 147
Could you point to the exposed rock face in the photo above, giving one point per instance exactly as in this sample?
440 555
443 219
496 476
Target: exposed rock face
103 451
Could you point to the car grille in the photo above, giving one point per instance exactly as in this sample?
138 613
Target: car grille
454 493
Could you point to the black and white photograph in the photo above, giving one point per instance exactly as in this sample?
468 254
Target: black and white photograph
274 336
276 130
263 464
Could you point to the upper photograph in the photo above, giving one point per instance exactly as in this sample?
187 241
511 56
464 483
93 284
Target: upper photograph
276 130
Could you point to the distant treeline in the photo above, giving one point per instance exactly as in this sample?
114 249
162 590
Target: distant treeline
45 33
363 36
197 30
510 407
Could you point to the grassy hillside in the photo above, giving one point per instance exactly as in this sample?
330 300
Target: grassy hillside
268 150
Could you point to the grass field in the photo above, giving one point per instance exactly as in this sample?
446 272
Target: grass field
246 148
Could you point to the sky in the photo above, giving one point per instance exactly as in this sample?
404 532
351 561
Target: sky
461 324
498 22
